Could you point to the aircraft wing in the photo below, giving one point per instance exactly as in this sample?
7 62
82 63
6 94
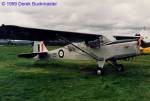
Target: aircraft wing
34 34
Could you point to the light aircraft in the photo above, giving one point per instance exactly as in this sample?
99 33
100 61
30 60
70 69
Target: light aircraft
80 46
145 50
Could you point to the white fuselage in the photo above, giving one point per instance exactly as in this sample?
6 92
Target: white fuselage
106 51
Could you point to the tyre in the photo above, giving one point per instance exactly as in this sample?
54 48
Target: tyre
99 71
120 68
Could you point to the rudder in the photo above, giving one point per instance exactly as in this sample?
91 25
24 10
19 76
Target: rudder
39 47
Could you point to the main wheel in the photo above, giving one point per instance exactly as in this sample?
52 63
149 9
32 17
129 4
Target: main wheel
99 71
120 68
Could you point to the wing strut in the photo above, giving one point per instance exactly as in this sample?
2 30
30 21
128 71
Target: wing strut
91 55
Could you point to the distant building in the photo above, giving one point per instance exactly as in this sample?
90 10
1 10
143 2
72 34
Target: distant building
3 41
27 42
14 42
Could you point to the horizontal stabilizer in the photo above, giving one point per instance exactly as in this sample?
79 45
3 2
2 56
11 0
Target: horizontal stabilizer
32 55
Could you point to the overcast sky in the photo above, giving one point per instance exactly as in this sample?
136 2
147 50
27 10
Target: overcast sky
97 16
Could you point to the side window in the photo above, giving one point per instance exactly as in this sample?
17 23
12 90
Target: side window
94 43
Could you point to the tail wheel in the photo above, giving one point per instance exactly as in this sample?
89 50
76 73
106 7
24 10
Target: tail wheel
120 68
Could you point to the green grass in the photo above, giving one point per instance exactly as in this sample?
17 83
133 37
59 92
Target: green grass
23 80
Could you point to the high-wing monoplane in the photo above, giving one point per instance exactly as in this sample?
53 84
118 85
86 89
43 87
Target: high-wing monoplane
80 46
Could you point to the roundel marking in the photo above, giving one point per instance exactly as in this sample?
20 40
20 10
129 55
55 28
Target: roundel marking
61 53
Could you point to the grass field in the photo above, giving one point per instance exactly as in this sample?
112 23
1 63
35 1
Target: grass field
23 80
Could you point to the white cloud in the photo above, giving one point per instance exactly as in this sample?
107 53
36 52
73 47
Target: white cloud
86 15
16 18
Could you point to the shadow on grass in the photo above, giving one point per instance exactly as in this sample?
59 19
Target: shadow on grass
84 67
58 65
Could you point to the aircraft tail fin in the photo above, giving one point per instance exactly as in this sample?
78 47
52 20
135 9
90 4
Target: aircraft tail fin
39 51
39 47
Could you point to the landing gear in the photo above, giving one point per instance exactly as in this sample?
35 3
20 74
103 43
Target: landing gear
99 71
120 68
